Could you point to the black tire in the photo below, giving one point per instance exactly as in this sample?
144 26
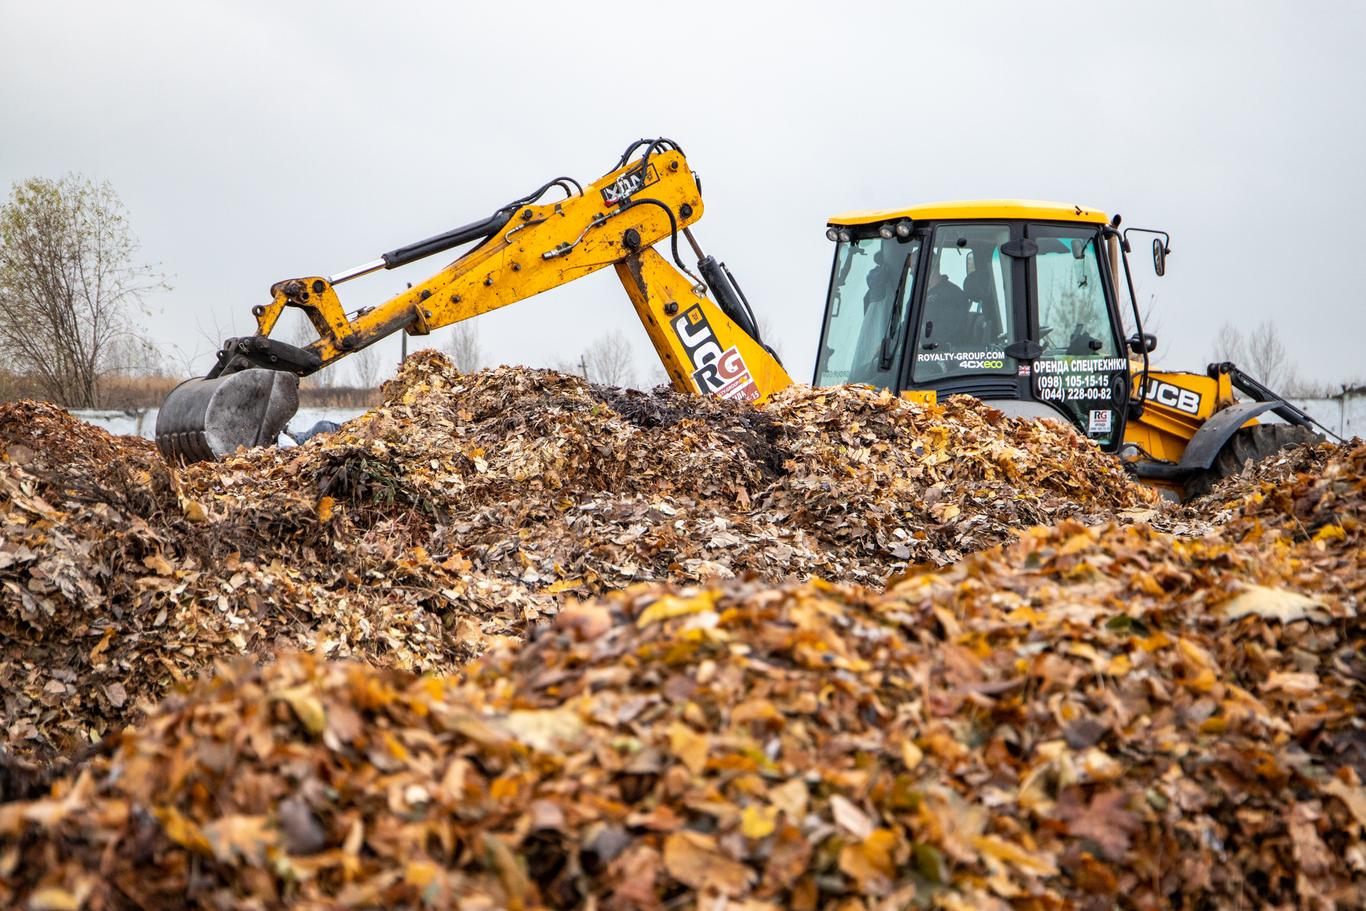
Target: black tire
1250 444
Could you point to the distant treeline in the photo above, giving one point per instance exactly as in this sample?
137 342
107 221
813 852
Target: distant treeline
132 392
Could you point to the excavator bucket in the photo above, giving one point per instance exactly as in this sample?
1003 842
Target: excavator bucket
207 419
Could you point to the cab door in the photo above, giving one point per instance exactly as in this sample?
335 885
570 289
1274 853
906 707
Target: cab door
968 312
1083 370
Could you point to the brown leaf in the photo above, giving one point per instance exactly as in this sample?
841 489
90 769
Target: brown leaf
695 860
1105 820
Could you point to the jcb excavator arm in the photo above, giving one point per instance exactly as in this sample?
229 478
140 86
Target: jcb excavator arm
706 345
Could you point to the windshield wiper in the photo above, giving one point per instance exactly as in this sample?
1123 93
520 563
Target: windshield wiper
889 340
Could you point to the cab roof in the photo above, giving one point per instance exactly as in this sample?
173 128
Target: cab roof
976 209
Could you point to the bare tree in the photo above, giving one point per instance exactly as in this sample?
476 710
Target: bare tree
1229 345
609 360
464 348
1260 352
1266 356
132 355
1152 322
69 285
365 365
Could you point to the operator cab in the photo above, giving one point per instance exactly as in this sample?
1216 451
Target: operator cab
1009 301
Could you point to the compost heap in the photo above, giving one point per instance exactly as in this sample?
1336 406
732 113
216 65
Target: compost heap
1089 717
464 509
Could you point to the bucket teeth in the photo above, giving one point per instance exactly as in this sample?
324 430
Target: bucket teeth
207 419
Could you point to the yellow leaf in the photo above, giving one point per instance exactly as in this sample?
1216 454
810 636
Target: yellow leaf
1331 533
157 564
673 606
1158 640
102 645
1195 654
308 708
1202 682
396 748
999 848
561 585
911 755
419 873
690 747
870 862
53 898
194 511
758 821
1076 544
181 830
755 710
1216 724
325 505
1026 615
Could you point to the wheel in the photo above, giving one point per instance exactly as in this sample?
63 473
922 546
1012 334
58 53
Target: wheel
1250 444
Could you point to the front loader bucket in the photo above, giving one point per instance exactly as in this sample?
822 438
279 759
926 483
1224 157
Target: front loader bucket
206 419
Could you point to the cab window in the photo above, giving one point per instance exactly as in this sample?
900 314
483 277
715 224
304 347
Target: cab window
865 316
1073 316
968 316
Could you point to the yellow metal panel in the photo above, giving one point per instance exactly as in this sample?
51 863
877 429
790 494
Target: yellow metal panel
923 396
701 348
1178 404
977 209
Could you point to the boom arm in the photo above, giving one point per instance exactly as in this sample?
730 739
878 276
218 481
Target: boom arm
525 248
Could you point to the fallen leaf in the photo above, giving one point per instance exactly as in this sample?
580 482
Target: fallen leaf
1273 604
694 860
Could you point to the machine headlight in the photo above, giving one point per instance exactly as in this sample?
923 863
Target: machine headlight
832 233
903 228
886 231
846 235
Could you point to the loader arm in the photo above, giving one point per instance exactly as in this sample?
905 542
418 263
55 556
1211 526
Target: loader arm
706 345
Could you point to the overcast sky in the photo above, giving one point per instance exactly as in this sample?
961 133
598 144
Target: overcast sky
256 141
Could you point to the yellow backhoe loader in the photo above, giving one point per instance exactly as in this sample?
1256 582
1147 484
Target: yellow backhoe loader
1014 302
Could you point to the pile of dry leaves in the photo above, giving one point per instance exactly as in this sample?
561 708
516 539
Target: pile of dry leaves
115 587
464 509
1088 718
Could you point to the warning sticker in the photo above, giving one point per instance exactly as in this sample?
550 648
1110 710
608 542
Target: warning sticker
720 373
1100 422
727 377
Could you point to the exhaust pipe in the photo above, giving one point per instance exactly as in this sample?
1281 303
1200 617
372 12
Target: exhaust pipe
207 419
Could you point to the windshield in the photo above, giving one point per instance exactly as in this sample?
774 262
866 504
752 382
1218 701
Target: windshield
865 317
968 315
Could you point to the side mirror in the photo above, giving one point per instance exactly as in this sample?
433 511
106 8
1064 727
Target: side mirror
1159 256
1147 343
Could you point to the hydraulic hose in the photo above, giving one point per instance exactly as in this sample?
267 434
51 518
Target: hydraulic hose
673 231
